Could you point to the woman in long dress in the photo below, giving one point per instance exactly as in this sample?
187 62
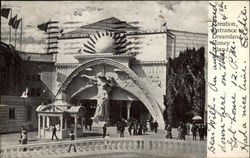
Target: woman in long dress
104 86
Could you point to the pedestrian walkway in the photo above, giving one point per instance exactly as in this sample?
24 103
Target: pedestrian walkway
12 138
91 144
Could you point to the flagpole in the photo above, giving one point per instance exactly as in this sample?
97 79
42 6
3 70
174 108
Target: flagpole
21 34
48 35
10 25
15 37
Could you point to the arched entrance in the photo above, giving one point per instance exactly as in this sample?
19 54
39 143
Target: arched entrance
128 85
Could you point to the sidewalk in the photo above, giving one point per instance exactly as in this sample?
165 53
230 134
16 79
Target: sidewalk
12 138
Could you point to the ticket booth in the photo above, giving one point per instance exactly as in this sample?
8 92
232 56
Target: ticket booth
64 116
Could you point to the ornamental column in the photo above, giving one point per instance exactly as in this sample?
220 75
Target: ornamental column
82 124
128 109
65 122
75 126
39 128
61 125
47 121
43 126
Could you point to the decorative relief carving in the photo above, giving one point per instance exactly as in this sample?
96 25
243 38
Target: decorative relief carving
135 80
104 85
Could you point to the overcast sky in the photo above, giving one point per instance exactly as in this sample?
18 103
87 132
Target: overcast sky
181 15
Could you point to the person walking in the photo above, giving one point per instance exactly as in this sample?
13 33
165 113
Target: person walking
21 131
24 140
151 125
122 128
130 129
201 131
205 129
117 127
135 128
140 129
145 130
54 132
184 131
148 126
169 131
86 125
90 124
72 137
156 126
104 128
188 128
194 131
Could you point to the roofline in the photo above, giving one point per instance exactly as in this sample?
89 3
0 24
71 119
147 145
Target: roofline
206 34
103 55
35 53
105 20
156 62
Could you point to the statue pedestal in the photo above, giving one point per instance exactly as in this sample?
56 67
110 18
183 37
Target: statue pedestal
98 123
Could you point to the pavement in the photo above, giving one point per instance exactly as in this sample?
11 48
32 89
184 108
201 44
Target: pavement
96 132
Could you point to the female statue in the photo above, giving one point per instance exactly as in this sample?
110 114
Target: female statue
104 86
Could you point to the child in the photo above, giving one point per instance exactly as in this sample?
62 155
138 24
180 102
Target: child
72 137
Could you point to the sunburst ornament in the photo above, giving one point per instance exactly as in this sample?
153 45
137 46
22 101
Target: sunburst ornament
107 42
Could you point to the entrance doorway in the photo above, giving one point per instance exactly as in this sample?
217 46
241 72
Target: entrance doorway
119 109
140 112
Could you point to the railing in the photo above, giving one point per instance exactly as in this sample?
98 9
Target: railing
154 147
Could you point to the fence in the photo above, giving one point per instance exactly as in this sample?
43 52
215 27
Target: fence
154 147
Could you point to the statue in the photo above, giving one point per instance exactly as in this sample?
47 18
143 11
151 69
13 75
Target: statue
104 86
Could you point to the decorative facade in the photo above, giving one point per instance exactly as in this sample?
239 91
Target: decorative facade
136 60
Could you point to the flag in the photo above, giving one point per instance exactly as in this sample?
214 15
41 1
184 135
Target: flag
16 24
12 20
43 27
79 51
164 24
5 12
61 31
25 93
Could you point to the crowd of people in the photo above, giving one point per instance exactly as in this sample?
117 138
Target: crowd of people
88 124
136 127
187 129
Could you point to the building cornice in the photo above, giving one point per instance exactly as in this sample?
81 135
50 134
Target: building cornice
70 36
146 32
160 62
197 33
67 65
104 55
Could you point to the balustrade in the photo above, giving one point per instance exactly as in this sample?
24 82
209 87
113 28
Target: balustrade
88 146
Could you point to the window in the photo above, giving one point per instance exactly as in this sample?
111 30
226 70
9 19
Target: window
12 113
38 92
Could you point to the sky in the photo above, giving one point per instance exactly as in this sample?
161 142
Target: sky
181 15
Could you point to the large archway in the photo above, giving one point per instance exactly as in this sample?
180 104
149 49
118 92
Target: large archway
125 78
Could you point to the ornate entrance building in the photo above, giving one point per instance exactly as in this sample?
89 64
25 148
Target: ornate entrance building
116 71
106 80
110 68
